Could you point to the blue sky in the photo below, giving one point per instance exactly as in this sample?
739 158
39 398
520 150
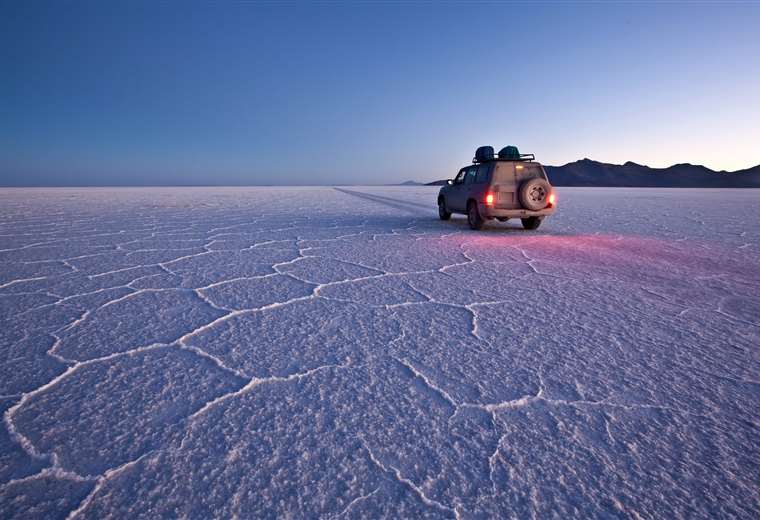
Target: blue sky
108 93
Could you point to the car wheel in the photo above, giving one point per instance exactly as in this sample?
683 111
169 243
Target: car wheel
473 216
443 214
531 223
502 219
534 194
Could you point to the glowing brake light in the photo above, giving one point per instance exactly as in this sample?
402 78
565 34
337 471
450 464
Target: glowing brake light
552 199
489 199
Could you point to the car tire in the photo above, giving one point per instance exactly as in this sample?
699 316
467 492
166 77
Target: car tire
534 194
531 223
473 216
502 219
443 213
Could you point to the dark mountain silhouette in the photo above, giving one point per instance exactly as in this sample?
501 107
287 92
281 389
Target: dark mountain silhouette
594 173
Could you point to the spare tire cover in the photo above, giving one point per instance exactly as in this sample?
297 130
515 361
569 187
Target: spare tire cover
534 194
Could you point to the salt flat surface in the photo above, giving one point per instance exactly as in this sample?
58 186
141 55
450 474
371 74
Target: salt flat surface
341 353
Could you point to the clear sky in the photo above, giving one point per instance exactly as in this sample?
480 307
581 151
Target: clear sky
105 93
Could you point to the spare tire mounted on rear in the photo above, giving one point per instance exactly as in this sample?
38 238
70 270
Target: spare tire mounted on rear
534 194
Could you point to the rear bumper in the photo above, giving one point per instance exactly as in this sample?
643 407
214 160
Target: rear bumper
491 212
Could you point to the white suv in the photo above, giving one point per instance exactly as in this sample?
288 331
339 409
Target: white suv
503 186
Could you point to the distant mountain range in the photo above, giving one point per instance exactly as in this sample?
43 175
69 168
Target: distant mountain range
593 173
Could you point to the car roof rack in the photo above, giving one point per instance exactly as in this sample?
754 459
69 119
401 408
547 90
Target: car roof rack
524 157
509 153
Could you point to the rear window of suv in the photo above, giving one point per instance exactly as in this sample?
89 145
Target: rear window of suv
509 172
528 170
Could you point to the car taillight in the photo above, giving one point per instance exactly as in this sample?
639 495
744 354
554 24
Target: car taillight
552 199
489 199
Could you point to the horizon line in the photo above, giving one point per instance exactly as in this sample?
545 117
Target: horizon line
408 182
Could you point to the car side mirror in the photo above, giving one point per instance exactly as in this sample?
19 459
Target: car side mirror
449 182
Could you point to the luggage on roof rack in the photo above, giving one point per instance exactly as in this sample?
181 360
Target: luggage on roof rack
508 153
483 154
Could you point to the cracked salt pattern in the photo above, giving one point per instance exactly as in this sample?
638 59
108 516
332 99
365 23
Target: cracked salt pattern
341 353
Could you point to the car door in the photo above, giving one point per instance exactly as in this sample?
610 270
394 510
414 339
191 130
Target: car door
466 184
504 185
456 194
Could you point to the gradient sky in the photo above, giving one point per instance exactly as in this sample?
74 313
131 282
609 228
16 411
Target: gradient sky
106 93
